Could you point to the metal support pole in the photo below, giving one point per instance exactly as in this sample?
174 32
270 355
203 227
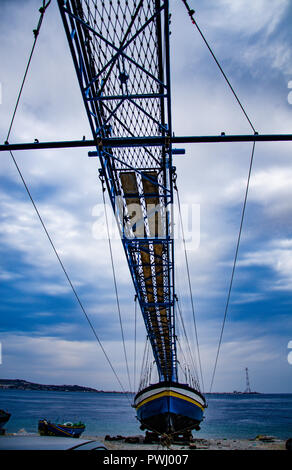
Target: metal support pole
116 142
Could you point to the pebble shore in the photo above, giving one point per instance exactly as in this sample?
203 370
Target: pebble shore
258 443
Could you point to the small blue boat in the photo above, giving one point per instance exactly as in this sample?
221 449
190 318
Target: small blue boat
47 428
4 417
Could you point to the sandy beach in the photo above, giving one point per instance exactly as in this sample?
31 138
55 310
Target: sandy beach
257 443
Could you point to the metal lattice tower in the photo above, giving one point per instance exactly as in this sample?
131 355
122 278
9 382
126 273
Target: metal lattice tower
120 51
247 389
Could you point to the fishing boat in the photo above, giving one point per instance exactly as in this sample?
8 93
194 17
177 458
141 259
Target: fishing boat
127 98
170 407
68 429
121 54
4 417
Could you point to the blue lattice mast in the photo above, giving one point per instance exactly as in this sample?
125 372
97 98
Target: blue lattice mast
120 51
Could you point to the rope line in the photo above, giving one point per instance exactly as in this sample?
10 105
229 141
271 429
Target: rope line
234 263
36 31
191 15
65 271
144 364
187 342
115 282
189 280
184 370
191 355
135 342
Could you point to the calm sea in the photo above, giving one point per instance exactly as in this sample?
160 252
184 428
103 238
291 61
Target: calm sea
229 416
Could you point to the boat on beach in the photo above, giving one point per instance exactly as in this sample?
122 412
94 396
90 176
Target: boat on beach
170 406
4 417
68 429
126 89
141 185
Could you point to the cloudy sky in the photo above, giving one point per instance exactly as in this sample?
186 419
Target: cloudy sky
44 335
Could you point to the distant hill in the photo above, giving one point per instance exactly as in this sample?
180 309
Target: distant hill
18 384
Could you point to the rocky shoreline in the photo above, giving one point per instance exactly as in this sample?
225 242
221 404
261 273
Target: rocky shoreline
134 443
18 384
138 442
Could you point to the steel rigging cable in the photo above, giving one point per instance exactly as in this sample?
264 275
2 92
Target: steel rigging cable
189 277
114 278
135 341
234 263
36 31
187 343
191 15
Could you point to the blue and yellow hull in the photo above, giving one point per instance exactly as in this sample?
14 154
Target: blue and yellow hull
169 407
46 428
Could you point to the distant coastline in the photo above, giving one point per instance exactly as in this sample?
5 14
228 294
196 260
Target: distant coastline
18 384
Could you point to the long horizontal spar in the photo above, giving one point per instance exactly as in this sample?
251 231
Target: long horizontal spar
115 142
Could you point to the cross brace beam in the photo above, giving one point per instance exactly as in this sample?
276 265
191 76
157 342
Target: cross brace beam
116 142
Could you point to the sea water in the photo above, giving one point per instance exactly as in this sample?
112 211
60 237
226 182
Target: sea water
227 415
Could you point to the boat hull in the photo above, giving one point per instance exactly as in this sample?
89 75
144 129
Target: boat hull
170 408
4 417
46 428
